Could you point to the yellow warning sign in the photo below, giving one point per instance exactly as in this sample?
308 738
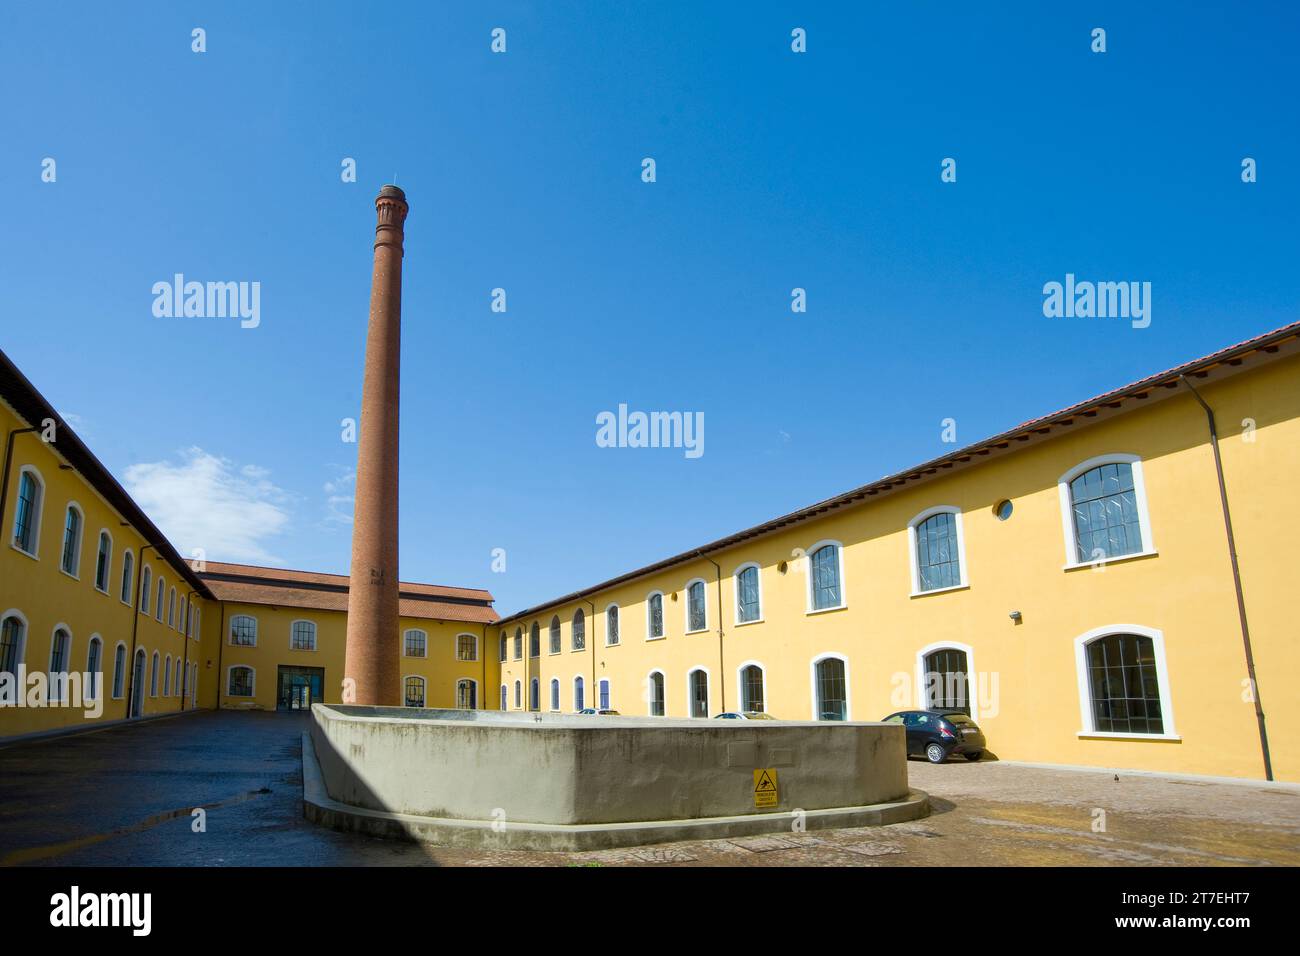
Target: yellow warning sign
765 788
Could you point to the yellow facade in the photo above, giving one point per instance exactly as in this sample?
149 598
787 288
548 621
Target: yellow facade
1023 611
1026 682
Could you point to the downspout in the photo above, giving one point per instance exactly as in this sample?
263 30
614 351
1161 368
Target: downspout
722 673
482 655
9 457
595 681
1236 579
135 627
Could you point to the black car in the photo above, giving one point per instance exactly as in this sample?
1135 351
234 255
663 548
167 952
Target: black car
940 733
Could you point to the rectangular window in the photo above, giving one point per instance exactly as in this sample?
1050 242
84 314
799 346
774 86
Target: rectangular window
747 595
303 637
416 645
696 620
466 647
826 578
656 615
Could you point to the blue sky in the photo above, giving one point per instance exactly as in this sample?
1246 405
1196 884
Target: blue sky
775 170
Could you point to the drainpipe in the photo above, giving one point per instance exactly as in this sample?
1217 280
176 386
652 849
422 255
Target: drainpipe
1236 579
595 681
135 626
9 457
722 674
482 656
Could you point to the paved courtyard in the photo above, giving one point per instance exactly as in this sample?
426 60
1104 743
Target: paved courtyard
125 796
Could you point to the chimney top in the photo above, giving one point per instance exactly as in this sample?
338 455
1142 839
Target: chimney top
392 192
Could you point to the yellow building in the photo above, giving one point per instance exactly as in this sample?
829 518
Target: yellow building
1072 583
1069 582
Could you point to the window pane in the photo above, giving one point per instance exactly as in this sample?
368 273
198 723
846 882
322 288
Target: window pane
826 577
752 688
832 701
1123 684
747 584
946 681
656 615
1104 507
936 552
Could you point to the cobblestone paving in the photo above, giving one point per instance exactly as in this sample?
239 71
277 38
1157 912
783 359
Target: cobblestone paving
126 796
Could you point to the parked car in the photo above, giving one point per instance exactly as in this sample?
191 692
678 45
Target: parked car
744 715
589 711
938 734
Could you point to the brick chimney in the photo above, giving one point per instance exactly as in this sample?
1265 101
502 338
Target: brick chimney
371 657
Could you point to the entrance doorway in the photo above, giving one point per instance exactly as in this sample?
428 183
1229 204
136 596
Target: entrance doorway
297 688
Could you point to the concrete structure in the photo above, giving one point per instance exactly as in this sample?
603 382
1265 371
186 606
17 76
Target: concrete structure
370 665
570 782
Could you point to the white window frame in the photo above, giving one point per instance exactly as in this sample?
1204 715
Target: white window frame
415 630
75 573
534 693
559 631
690 699
735 581
609 692
49 670
455 648
145 588
424 690
252 684
649 698
1067 510
848 682
686 607
126 668
663 617
108 563
95 638
740 683
22 641
154 663
167 676
1162 681
914 552
972 690
456 690
35 553
808 573
612 606
504 700
130 598
315 635
555 692
230 631
573 691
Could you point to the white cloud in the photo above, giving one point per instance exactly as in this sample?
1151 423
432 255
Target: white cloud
339 497
208 502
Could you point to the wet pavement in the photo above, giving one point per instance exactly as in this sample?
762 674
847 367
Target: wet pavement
127 795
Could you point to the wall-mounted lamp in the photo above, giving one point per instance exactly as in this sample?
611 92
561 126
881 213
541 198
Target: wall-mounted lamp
1015 616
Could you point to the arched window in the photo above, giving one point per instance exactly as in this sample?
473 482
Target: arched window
414 692
466 647
180 616
241 682
698 684
579 700
94 666
243 631
748 603
137 683
656 693
302 636
153 675
945 683
535 640
534 694
176 686
935 543
830 689
60 658
519 691
128 576
504 692
167 676
159 597
752 697
504 643
27 516
171 608
416 643
519 643
145 590
602 694
697 607
103 558
119 671
71 561
13 642
466 694
555 693
1124 682
824 580
1104 500
579 631
611 624
654 612
555 634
